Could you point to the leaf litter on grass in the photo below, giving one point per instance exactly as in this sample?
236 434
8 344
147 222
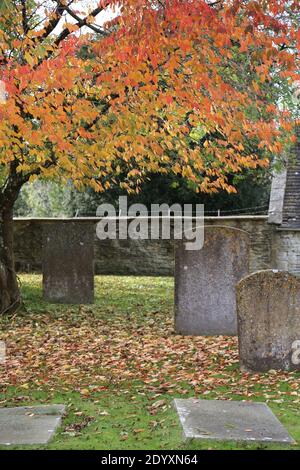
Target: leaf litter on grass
127 338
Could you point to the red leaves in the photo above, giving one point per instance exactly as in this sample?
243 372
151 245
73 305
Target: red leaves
168 99
162 61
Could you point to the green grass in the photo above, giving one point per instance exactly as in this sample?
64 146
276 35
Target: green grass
117 366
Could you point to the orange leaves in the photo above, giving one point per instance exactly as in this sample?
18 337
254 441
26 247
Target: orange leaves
245 43
136 98
133 173
111 347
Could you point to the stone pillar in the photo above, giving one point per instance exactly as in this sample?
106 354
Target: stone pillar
205 282
268 307
68 262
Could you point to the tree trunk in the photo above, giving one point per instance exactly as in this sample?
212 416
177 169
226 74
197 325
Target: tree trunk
9 289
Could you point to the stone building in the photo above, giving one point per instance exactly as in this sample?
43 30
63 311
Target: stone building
284 213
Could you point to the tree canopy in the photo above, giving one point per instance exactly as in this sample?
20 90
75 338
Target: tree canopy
158 73
106 93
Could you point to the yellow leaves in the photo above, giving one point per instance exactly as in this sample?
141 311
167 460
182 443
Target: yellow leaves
176 168
71 27
90 19
23 167
96 185
231 189
25 386
31 60
187 172
168 144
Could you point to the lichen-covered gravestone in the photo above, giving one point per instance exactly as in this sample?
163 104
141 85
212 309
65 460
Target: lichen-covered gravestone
268 307
205 282
68 262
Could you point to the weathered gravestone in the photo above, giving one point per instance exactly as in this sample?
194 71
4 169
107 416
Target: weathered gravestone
68 262
230 420
29 424
268 308
205 282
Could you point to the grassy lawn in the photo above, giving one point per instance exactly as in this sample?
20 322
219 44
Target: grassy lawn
117 365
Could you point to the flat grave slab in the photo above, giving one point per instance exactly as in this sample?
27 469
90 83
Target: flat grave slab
230 421
29 424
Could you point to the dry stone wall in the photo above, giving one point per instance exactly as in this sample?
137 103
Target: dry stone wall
269 247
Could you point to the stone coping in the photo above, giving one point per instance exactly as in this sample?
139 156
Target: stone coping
95 219
287 229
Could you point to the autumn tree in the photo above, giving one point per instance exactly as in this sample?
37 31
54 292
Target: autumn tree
157 71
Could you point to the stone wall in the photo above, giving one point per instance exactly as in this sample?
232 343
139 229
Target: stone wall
122 257
269 247
286 250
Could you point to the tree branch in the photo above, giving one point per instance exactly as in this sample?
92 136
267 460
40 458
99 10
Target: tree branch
51 25
82 22
24 17
79 20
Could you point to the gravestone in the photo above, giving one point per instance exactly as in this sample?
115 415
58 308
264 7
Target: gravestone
268 308
68 262
29 424
205 282
230 421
